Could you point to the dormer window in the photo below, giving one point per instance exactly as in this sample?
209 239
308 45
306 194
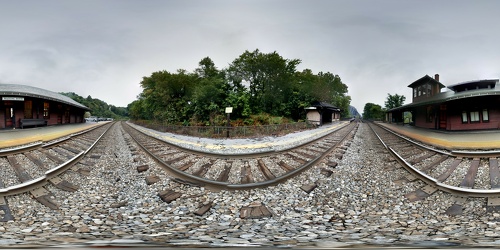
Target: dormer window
425 87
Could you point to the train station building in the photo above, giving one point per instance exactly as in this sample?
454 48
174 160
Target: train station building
25 106
471 105
320 113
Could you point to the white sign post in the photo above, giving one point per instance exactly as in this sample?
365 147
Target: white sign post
229 110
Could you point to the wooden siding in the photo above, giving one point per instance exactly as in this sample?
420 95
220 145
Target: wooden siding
313 117
421 120
454 114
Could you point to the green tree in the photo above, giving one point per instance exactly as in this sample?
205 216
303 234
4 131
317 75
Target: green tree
166 96
394 101
268 77
98 107
373 111
211 92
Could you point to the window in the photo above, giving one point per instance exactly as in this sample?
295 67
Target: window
429 89
415 92
28 110
464 117
430 114
486 118
474 116
46 110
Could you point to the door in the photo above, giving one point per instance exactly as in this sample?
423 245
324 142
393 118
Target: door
442 117
10 119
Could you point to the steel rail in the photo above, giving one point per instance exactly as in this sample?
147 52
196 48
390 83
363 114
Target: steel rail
236 155
21 149
458 191
49 174
414 142
65 138
230 186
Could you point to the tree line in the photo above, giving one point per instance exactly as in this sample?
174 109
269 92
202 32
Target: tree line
374 111
253 84
98 107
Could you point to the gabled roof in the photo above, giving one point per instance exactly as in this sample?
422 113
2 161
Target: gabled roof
23 90
425 79
324 105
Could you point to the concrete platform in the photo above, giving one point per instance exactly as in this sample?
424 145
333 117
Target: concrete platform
451 140
473 140
16 137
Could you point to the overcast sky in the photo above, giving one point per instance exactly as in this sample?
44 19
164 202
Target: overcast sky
104 48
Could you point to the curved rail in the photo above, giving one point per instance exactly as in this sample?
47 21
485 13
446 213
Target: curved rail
226 185
49 174
458 191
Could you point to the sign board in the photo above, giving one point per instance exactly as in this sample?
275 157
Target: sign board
12 98
229 110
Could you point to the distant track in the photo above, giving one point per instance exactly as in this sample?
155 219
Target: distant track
242 171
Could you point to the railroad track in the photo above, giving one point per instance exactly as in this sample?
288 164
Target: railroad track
239 171
463 174
31 168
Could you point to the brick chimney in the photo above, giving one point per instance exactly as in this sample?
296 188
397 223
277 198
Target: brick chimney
436 77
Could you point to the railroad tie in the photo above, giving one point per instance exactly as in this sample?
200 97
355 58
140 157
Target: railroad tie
152 179
71 149
21 174
224 175
457 207
285 166
186 166
326 172
434 164
43 196
494 174
308 188
493 205
332 164
255 211
449 170
177 159
246 174
203 170
421 158
53 157
4 207
203 209
63 153
142 168
169 195
35 160
63 184
267 173
470 177
421 193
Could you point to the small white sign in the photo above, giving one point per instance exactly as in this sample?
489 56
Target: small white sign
12 98
229 110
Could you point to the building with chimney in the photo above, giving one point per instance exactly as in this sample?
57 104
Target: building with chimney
472 105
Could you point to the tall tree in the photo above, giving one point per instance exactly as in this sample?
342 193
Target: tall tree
166 96
394 101
211 92
373 111
267 76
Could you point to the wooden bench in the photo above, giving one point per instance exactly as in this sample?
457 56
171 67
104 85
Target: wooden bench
33 122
